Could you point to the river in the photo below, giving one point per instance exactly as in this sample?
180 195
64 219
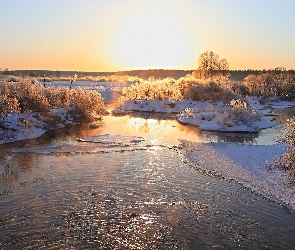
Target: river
123 185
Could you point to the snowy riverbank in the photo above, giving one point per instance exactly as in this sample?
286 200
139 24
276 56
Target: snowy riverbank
213 116
25 126
245 164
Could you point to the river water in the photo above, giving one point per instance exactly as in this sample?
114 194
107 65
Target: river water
124 186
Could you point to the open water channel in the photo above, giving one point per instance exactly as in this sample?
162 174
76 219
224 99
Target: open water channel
123 186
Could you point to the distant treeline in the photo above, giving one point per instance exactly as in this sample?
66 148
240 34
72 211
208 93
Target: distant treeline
51 73
237 75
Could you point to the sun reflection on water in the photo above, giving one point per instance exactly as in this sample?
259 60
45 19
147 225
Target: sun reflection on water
158 131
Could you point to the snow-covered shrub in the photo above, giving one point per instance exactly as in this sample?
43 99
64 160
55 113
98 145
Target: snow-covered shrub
226 119
58 97
278 83
86 103
195 89
28 93
239 88
8 105
238 104
189 112
188 87
152 90
286 161
240 111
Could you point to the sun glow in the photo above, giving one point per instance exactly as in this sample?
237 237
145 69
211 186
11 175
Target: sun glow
152 40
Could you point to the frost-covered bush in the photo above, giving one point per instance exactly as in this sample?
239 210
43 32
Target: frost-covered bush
236 112
58 97
286 161
28 93
278 83
239 88
86 103
195 89
188 87
239 110
152 90
8 105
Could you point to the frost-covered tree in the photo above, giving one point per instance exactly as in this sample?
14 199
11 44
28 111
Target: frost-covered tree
277 82
211 66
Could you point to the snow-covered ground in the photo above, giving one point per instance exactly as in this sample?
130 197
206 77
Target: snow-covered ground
24 126
20 127
209 115
245 164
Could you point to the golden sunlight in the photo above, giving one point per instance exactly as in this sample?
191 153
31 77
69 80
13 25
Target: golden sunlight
145 125
153 40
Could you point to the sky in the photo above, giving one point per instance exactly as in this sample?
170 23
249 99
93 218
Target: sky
114 35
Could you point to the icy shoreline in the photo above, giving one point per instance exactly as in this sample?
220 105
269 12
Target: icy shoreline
209 115
246 164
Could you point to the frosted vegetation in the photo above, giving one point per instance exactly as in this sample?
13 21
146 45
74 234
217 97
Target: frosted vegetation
286 161
112 78
211 81
52 107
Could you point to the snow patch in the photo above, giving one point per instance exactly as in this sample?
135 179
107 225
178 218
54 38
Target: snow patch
247 164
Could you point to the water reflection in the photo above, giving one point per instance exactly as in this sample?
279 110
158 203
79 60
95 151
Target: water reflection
12 166
136 200
155 132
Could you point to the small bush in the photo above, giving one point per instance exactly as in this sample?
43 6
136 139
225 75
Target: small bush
152 90
195 89
86 104
286 161
241 111
8 105
58 97
28 93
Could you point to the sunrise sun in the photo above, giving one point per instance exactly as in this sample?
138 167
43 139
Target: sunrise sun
153 40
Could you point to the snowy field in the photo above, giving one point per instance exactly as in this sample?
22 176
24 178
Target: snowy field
245 164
